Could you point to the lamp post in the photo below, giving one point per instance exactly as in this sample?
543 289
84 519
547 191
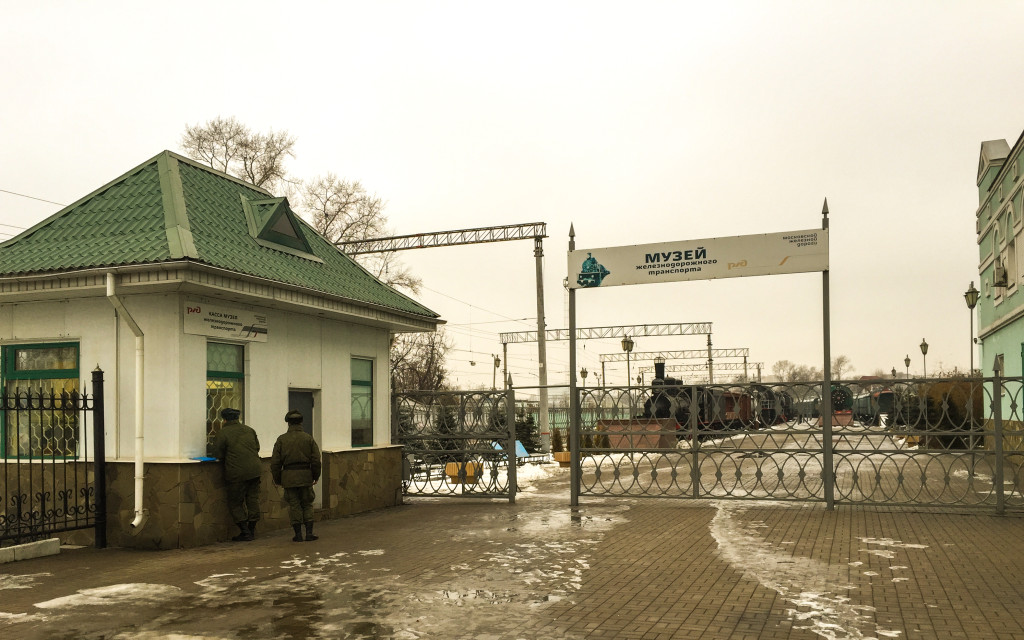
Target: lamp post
906 361
494 374
627 346
583 374
894 373
971 297
924 356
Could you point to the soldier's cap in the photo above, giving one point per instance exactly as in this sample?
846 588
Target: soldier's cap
293 417
230 413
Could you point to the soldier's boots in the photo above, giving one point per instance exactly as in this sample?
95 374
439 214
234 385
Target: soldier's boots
309 532
298 533
244 534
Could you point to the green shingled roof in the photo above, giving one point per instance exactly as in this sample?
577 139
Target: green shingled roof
171 208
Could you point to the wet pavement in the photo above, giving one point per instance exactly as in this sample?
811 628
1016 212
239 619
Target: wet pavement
614 568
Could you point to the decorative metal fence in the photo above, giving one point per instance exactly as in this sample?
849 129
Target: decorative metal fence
944 443
53 477
458 443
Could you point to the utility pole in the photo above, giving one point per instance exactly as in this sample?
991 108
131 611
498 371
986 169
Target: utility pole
542 352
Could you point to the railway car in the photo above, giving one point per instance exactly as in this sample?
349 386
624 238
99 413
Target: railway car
869 407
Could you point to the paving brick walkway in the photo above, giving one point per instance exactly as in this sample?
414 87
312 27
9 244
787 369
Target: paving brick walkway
614 568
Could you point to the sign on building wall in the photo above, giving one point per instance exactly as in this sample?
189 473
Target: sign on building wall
707 259
223 321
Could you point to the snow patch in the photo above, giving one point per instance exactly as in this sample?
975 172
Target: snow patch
810 585
116 594
889 542
20 582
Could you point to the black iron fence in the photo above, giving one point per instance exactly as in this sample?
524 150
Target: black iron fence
938 443
457 443
54 473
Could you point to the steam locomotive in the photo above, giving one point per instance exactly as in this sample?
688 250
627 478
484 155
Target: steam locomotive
716 408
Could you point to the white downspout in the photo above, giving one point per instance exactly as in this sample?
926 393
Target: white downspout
140 514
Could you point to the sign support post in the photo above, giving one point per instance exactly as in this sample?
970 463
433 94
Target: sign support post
827 471
574 414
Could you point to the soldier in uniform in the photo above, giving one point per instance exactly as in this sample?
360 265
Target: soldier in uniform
295 466
237 446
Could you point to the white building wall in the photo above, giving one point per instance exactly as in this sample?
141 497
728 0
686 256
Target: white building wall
302 352
159 318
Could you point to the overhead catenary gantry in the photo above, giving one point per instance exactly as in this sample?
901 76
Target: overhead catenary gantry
592 333
721 366
687 354
479 235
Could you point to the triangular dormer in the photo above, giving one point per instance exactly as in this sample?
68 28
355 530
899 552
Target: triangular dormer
274 225
991 159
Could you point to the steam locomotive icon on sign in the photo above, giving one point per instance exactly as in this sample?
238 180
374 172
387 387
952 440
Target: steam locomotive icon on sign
591 272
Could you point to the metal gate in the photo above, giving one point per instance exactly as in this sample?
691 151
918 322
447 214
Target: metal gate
54 474
930 443
457 443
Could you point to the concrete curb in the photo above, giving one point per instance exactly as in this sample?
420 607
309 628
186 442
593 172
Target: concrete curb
37 549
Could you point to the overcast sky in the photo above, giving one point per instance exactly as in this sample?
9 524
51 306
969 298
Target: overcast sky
636 122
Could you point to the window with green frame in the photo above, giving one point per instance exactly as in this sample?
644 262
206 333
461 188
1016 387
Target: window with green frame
362 402
42 379
225 383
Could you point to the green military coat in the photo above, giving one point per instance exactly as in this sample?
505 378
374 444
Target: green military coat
296 459
237 446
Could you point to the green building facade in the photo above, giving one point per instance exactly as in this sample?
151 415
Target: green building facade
1000 230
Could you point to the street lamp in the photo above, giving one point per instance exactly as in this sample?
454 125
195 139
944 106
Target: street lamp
924 356
494 374
627 346
894 373
906 361
971 297
583 374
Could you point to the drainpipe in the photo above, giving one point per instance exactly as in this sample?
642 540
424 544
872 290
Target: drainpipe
140 514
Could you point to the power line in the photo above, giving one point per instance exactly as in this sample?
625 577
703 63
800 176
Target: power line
22 195
471 305
469 324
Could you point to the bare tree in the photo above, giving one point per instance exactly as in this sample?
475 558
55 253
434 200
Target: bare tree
342 211
418 361
781 369
804 373
786 371
228 145
840 367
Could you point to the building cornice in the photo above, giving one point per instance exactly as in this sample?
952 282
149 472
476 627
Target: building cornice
199 279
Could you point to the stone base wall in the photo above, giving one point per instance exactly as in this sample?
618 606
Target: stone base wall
187 502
